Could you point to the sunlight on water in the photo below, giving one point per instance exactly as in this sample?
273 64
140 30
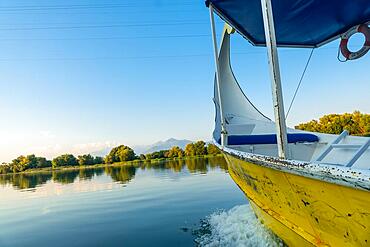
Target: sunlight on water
235 227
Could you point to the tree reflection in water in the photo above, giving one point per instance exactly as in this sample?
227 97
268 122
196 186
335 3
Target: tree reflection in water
89 173
122 174
65 176
26 180
197 165
218 162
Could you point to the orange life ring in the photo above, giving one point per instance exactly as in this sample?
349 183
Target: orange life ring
351 55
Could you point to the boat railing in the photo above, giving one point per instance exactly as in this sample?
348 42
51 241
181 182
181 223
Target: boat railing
336 145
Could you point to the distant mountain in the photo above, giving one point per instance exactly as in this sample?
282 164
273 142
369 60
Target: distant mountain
161 145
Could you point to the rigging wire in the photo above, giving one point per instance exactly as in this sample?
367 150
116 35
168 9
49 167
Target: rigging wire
98 8
113 58
299 83
152 57
110 37
79 6
3 59
102 26
79 23
110 11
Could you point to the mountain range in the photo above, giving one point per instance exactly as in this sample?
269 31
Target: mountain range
144 149
161 145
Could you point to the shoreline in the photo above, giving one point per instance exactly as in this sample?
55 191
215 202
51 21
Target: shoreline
132 162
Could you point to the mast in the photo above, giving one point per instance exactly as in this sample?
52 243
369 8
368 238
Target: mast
277 96
215 49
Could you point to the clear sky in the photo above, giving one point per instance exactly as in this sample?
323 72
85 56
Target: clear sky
78 76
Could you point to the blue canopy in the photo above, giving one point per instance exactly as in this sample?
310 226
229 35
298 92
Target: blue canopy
298 23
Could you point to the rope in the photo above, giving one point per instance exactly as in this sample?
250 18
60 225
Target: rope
338 56
299 84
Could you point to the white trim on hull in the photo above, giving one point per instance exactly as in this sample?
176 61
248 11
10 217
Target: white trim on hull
341 175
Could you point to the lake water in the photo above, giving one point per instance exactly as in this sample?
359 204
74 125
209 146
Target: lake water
173 203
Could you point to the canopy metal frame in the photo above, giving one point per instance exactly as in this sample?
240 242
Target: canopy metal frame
218 76
250 40
277 95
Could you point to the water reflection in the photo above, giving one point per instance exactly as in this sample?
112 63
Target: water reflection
89 173
121 174
197 165
65 176
25 181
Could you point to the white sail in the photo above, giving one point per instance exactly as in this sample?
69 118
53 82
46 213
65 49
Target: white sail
241 116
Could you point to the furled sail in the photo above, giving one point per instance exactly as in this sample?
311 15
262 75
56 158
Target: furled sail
240 114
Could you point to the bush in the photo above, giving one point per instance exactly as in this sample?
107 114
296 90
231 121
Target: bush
213 149
355 123
120 154
65 160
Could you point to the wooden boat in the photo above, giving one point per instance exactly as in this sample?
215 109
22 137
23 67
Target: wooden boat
308 188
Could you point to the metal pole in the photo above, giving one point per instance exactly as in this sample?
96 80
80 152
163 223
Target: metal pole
277 95
215 49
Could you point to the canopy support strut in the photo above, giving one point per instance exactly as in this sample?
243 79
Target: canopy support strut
215 49
277 95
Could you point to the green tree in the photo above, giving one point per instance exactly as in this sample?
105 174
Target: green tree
23 163
86 160
158 154
200 148
355 123
5 168
190 149
64 160
175 152
42 162
120 154
180 153
213 149
20 163
148 156
98 160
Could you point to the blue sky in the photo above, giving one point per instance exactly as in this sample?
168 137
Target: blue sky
78 76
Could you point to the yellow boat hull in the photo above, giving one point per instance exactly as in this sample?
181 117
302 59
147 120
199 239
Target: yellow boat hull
304 211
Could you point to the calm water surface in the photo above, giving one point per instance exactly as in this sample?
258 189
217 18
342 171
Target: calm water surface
143 205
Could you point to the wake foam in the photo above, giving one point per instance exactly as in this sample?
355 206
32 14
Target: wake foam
236 227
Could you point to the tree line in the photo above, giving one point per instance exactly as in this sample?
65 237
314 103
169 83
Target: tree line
121 174
199 148
23 163
120 153
355 123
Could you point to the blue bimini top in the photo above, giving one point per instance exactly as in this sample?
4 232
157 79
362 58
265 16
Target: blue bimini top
298 23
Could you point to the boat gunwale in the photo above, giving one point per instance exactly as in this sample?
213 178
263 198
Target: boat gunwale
341 175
